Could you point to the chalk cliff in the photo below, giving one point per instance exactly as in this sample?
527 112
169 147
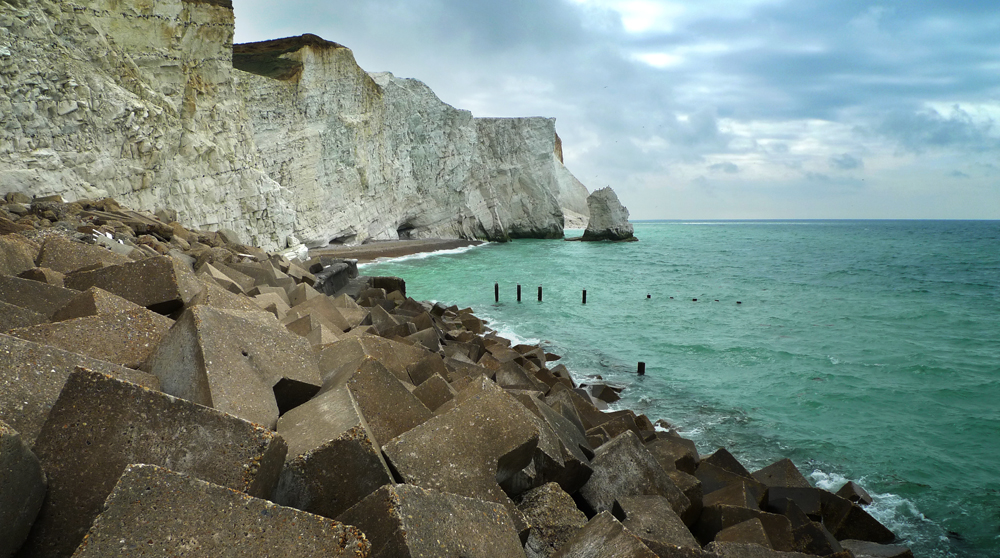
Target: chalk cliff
139 100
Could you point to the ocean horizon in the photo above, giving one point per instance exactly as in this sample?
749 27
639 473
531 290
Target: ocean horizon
865 350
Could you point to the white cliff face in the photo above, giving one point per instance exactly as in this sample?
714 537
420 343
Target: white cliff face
135 100
608 217
138 100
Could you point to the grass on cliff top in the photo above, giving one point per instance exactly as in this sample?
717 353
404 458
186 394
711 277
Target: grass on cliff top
264 58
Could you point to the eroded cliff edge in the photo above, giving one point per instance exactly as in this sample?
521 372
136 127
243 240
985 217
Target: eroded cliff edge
140 101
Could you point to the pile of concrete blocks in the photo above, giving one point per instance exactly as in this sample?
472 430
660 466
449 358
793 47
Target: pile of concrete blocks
192 396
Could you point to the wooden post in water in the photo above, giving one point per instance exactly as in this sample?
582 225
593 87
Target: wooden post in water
519 293
539 293
642 369
585 296
496 291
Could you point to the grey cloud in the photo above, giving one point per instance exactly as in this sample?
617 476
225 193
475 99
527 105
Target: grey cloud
846 162
726 167
919 131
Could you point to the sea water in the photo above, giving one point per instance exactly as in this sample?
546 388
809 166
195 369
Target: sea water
862 350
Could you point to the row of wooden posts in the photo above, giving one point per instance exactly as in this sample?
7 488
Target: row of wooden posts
496 295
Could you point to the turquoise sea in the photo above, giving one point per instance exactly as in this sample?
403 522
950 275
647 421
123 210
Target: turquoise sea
862 350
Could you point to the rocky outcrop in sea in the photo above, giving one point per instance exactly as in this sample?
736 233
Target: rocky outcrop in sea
295 145
170 391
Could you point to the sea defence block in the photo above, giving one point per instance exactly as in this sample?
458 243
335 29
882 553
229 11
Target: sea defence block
155 512
434 392
22 489
100 425
92 302
17 254
654 521
160 284
483 441
333 461
125 337
404 521
12 317
782 473
553 516
674 452
339 361
386 405
243 363
623 467
32 375
65 256
33 295
603 535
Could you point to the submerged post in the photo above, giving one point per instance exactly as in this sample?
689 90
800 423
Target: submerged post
642 369
539 293
585 296
496 291
519 293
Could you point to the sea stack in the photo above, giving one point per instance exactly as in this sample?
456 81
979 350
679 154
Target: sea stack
608 217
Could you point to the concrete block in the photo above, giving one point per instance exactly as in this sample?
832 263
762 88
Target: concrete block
713 478
264 290
421 370
32 375
750 531
220 278
389 284
750 550
243 363
512 376
653 520
603 536
160 284
333 460
852 491
14 317
320 306
486 439
553 516
814 538
217 297
126 337
589 414
100 425
743 494
17 254
727 462
434 392
426 338
781 473
65 256
156 512
301 293
715 518
623 467
847 520
272 303
338 361
92 302
572 469
385 403
691 487
865 549
674 452
404 521
38 297
808 500
245 282
321 336
22 489
43 275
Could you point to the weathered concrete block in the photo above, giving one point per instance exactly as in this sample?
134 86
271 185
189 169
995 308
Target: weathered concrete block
814 538
209 271
385 403
301 293
553 516
483 441
809 500
100 425
161 284
589 414
242 363
92 302
426 367
215 296
17 254
43 275
743 494
623 467
603 536
749 550
38 297
654 521
338 361
125 337
32 375
434 392
22 489
674 452
14 317
333 460
715 518
65 256
750 531
572 469
245 282
865 549
273 304
727 462
781 473
847 520
714 478
388 284
156 512
852 491
407 521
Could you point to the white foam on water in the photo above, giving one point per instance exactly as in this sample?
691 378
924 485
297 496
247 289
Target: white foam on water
422 255
507 332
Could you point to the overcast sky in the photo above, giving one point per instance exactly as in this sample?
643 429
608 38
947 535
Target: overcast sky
711 109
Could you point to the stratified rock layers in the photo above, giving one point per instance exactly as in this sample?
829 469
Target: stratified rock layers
140 101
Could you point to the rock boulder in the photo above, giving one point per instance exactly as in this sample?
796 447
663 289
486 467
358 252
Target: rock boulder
608 217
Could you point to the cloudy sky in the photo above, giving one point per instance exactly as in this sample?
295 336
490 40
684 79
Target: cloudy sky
711 109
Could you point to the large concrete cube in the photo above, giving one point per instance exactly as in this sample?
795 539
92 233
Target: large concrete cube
339 361
100 425
34 295
63 255
404 521
32 375
159 513
160 284
243 363
22 489
603 536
